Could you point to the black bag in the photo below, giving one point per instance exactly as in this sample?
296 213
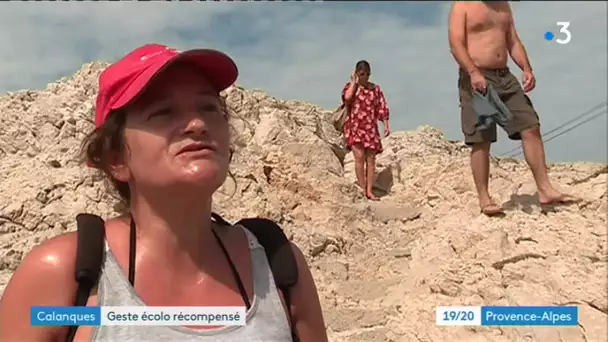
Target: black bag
90 251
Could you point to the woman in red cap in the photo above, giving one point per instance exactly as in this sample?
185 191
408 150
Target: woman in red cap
162 138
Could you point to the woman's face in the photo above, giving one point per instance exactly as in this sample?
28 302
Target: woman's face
363 75
176 133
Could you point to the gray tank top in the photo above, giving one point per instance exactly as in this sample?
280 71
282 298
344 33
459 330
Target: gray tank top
266 319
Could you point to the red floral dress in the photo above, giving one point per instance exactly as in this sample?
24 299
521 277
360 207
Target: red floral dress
361 126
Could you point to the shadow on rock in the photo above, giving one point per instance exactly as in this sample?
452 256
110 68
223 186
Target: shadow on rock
384 182
339 151
523 202
526 203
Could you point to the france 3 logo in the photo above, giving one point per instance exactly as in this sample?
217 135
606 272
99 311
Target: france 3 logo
564 36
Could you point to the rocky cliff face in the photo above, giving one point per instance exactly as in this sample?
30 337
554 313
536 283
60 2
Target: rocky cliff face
381 268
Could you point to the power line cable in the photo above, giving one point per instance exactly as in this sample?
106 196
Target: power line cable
576 118
591 118
585 113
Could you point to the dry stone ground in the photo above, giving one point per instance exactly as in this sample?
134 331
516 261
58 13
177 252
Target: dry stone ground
381 268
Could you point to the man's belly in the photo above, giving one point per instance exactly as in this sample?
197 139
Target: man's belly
495 61
488 51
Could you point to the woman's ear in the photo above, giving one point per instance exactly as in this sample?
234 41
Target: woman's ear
120 173
118 169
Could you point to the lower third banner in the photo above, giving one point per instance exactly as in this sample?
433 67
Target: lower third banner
137 315
507 315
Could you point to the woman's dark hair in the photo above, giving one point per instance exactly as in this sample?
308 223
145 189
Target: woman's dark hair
104 141
363 66
108 140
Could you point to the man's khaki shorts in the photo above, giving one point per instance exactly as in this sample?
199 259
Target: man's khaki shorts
510 92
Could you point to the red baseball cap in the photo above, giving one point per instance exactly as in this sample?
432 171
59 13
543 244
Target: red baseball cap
124 80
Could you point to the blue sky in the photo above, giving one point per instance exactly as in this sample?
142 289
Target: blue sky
307 50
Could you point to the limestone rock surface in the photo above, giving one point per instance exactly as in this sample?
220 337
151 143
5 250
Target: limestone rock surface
381 267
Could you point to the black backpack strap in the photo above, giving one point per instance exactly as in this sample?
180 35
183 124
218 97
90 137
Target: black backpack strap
280 257
89 258
217 218
278 252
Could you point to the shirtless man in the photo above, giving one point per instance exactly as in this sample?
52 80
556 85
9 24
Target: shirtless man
482 36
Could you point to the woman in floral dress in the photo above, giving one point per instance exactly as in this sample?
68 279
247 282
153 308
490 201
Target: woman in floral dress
367 107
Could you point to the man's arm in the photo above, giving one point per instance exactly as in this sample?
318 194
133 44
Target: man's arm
516 47
457 37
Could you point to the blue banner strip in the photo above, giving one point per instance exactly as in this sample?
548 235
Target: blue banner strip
65 315
529 315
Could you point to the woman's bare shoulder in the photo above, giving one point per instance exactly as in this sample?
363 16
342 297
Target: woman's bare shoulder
45 277
52 263
52 260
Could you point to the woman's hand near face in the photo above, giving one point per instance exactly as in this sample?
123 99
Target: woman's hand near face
354 78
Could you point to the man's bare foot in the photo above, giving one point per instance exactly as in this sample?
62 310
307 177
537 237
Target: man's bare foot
556 198
371 196
492 209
